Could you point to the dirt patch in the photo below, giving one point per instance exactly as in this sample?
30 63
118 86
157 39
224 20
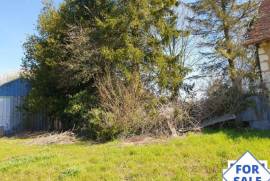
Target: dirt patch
143 140
52 138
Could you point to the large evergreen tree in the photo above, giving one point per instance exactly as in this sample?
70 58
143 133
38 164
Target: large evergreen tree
83 40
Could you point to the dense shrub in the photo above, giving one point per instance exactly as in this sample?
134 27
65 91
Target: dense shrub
222 98
124 109
127 109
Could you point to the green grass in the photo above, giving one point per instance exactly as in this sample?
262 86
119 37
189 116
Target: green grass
193 157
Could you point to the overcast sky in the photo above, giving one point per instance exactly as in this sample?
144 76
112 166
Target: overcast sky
18 19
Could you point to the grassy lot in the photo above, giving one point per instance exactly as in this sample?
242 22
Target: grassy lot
193 157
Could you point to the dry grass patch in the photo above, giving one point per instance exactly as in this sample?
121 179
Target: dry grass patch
144 140
52 138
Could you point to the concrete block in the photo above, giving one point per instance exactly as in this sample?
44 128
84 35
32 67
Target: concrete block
261 125
267 84
261 51
249 115
264 57
258 114
264 66
266 76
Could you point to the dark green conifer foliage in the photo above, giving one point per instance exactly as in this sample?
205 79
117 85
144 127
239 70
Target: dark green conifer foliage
82 40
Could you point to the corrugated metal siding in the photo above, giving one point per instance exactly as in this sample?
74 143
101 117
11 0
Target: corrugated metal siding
13 90
12 93
10 114
5 112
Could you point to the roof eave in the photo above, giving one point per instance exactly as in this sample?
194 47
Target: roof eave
255 41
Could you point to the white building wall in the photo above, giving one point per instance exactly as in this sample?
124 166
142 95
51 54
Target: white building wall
264 63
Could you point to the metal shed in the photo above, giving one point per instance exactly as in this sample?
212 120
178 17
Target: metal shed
13 90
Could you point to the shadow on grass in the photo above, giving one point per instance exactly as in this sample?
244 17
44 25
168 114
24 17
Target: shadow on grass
236 133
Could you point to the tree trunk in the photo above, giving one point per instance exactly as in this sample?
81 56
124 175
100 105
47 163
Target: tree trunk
236 81
172 129
175 94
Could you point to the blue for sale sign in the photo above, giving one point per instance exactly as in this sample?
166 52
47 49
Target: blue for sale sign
247 168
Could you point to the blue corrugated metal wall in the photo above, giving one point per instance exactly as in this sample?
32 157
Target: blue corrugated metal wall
12 94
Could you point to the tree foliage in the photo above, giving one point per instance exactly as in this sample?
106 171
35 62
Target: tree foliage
83 40
222 25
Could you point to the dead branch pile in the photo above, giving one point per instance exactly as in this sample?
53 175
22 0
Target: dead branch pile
53 138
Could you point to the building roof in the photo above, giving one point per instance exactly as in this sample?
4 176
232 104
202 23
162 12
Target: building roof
9 77
260 31
12 84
